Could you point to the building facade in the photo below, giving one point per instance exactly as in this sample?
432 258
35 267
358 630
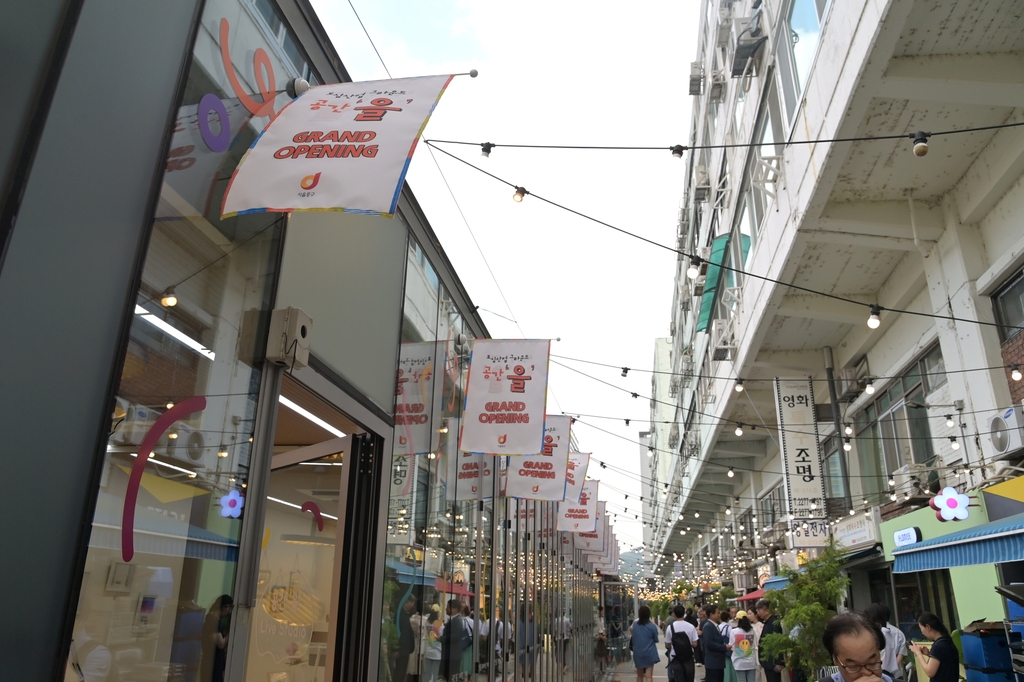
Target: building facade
188 499
798 226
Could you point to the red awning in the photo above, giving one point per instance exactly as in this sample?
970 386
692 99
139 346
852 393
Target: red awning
452 588
756 594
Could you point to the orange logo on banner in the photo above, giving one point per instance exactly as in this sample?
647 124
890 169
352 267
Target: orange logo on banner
310 181
536 488
502 438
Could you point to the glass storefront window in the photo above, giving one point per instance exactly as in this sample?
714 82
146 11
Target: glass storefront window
159 577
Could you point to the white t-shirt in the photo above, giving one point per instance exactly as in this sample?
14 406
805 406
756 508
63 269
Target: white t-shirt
895 644
744 649
679 625
566 628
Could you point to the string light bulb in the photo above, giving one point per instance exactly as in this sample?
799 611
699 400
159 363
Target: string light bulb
168 299
954 443
852 512
849 429
694 270
1015 372
677 150
892 482
739 385
873 319
650 452
739 429
485 149
920 142
731 472
869 385
847 446
625 371
520 193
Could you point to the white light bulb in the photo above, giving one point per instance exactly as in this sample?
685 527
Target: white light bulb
949 421
954 443
847 446
731 472
739 430
849 430
874 321
1015 373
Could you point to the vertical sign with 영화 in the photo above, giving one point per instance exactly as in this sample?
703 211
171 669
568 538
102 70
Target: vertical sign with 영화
340 147
506 397
580 517
542 477
575 474
801 457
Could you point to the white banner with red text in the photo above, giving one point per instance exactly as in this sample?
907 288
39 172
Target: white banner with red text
340 147
506 397
416 400
542 477
592 543
580 517
575 474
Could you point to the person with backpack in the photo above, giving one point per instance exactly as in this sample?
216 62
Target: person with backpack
681 640
744 655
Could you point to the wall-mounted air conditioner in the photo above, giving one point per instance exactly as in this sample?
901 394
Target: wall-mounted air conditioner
1006 434
716 93
189 445
749 40
1000 470
696 78
137 421
909 478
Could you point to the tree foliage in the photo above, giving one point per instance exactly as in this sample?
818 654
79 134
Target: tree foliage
682 587
722 597
805 605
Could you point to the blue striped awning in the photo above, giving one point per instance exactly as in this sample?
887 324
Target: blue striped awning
995 542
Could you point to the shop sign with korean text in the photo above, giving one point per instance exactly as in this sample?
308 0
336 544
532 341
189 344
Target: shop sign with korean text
801 457
340 147
858 531
575 474
506 397
542 477
580 517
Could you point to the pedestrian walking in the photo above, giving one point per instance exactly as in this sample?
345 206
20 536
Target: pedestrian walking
645 645
895 641
772 666
744 654
681 640
716 649
855 645
941 662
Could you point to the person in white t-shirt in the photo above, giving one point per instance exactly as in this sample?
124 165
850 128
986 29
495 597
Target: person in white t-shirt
895 640
680 664
744 651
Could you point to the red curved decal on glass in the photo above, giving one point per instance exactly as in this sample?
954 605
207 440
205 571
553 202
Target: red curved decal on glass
311 507
131 493
262 70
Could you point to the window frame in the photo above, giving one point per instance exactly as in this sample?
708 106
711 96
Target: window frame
1005 324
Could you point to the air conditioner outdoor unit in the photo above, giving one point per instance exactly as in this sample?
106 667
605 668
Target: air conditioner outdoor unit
909 479
748 43
722 339
1006 434
189 445
138 419
696 78
1000 470
717 91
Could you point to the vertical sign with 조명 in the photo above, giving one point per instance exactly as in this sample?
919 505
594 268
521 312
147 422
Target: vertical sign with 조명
338 147
542 477
506 397
415 401
575 474
580 517
801 457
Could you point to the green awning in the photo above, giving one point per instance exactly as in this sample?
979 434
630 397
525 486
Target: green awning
714 275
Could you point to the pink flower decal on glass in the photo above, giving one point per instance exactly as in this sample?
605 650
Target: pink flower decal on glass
231 504
949 505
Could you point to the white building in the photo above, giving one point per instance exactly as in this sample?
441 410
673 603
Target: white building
867 221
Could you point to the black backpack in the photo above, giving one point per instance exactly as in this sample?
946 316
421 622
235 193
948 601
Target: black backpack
681 646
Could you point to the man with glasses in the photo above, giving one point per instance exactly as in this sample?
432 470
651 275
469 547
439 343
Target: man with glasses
855 645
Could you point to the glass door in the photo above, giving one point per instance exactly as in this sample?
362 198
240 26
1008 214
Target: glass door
294 617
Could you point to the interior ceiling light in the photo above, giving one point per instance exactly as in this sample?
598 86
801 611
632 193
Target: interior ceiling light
873 319
920 142
1015 372
694 270
485 149
174 333
869 385
168 299
520 193
311 417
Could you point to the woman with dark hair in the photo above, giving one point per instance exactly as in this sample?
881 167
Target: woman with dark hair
645 645
744 655
942 661
216 630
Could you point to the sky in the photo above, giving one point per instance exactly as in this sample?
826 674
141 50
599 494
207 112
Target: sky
566 73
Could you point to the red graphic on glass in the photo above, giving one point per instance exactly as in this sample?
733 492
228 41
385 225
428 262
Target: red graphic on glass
310 506
131 494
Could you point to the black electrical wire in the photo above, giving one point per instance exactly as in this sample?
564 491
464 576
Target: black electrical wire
722 266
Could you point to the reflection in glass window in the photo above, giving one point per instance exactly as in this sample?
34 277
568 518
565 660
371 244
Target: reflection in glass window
805 31
1009 305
